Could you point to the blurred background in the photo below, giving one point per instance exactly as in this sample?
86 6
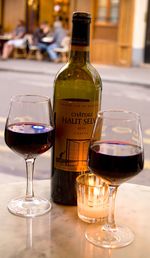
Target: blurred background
120 28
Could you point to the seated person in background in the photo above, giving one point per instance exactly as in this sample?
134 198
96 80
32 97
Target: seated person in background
58 35
41 32
16 41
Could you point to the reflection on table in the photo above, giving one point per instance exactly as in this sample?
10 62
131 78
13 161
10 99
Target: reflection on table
60 233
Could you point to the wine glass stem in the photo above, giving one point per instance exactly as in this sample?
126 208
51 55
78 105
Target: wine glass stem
112 197
29 171
29 241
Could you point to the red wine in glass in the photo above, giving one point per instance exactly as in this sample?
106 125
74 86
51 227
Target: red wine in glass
29 131
115 162
29 139
116 154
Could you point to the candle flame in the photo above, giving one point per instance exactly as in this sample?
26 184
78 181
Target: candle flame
96 192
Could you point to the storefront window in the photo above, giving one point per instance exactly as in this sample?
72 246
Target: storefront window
32 14
107 11
61 9
1 24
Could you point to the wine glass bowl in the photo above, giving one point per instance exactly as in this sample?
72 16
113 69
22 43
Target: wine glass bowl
29 131
116 154
28 139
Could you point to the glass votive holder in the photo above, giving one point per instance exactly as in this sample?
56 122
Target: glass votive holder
92 198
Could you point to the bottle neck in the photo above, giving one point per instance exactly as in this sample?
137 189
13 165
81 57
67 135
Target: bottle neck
79 54
80 38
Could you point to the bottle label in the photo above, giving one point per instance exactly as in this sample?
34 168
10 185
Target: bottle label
74 124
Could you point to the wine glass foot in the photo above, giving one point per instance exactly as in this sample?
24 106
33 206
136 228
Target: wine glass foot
104 236
30 208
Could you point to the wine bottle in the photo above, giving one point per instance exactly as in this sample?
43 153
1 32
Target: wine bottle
77 98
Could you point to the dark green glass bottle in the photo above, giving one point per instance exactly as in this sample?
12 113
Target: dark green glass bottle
77 98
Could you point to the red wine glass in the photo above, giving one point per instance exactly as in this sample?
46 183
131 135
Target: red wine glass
29 132
116 154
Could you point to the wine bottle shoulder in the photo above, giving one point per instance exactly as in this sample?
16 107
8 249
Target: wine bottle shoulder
95 75
75 72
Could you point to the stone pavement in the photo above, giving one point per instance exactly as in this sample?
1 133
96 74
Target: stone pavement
131 75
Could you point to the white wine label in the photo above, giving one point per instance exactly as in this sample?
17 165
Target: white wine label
74 124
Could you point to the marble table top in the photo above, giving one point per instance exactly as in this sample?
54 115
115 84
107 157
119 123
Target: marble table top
60 233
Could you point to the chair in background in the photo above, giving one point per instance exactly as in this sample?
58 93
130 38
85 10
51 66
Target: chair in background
64 49
33 52
21 51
